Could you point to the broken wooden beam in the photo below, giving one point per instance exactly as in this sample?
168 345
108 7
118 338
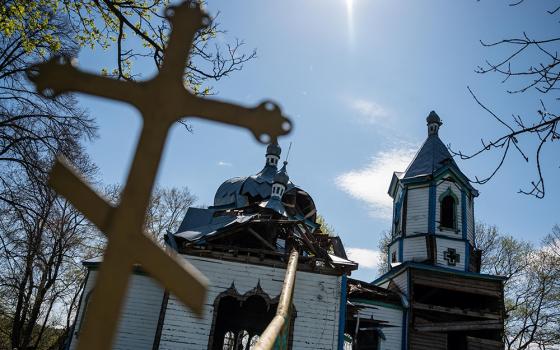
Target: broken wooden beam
456 311
260 239
458 326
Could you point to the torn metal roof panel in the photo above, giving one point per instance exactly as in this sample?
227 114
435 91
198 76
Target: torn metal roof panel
217 224
196 217
276 205
336 260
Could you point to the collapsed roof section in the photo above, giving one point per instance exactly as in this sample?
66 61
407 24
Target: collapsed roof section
264 215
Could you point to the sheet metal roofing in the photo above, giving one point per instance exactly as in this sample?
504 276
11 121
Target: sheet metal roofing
234 193
432 156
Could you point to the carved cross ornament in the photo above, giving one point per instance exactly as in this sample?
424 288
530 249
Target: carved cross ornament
451 256
162 101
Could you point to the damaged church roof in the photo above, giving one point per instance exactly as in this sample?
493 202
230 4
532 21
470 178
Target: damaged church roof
262 211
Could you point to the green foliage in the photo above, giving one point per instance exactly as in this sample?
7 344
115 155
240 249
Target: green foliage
136 30
31 22
326 229
532 288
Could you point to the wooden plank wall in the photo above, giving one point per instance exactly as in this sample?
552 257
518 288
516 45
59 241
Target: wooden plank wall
394 319
414 249
417 210
139 318
316 299
443 244
458 283
401 280
428 341
483 344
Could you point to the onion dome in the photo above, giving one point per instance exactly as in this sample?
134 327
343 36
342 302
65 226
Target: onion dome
273 149
433 118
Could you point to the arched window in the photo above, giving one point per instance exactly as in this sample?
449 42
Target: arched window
447 218
240 319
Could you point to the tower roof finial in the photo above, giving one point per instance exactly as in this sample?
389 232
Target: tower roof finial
282 175
273 149
434 122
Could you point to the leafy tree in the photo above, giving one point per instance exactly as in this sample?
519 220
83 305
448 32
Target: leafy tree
532 288
42 242
325 227
42 238
383 246
134 30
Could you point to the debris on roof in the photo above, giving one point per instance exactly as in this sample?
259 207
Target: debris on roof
262 214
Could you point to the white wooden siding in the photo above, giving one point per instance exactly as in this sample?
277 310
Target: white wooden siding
417 210
401 280
440 189
470 220
140 315
316 299
459 246
414 249
394 317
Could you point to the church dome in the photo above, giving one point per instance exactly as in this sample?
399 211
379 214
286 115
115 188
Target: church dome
239 192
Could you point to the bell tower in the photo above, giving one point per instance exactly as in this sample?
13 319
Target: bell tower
433 262
433 209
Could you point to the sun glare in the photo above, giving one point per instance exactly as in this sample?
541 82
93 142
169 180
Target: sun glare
350 19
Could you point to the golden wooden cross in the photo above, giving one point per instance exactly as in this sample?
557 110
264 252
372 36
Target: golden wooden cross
162 101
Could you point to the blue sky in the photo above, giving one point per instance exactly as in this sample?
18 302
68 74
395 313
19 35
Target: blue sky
358 79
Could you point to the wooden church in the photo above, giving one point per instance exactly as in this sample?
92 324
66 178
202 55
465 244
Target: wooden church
432 297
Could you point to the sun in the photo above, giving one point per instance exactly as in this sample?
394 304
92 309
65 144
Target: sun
350 18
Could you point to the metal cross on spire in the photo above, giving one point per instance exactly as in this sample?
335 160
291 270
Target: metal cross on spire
161 101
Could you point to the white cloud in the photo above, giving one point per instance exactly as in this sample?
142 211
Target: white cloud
222 163
370 110
370 184
367 258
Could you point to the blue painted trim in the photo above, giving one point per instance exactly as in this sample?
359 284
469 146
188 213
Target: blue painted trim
410 264
464 213
432 209
426 234
467 256
473 224
342 314
401 249
404 341
377 303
